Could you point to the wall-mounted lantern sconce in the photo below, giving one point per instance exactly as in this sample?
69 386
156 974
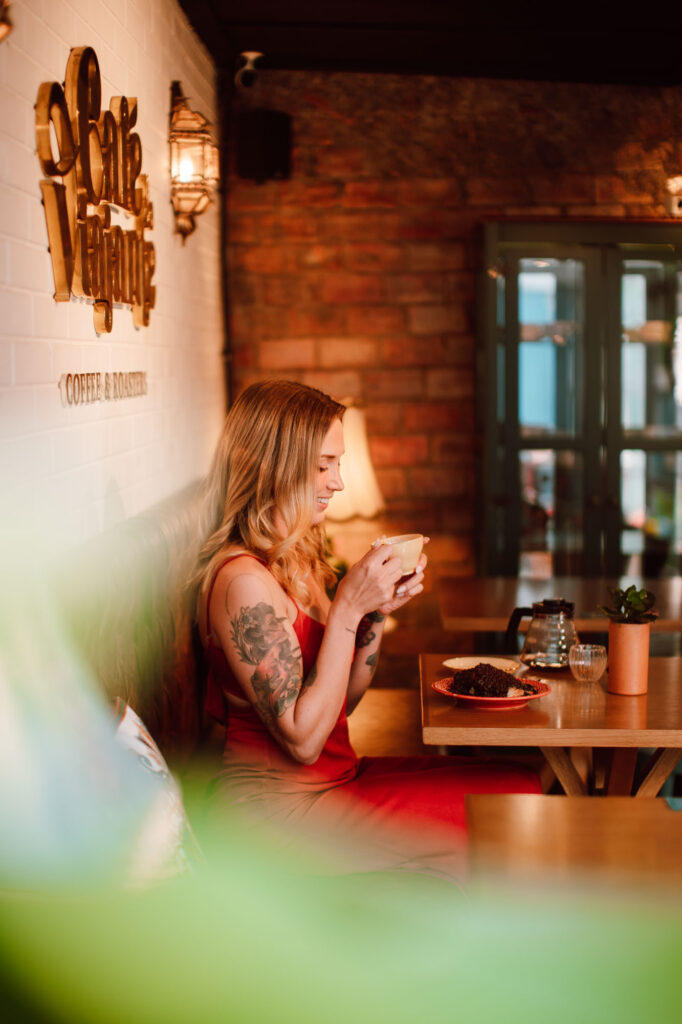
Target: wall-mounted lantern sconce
193 162
5 23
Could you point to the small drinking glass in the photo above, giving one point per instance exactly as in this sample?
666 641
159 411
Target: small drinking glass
587 662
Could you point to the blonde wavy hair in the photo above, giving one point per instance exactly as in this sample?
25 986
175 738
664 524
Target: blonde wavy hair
265 463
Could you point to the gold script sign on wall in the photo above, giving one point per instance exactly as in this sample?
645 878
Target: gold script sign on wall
99 159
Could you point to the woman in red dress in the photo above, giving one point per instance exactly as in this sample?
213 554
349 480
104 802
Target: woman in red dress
287 664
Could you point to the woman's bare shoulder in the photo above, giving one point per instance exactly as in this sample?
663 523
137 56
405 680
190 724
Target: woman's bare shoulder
242 566
245 580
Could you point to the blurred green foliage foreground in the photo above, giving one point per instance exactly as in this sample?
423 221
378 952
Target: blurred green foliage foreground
248 936
246 939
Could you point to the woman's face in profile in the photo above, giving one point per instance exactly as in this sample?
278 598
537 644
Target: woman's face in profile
328 471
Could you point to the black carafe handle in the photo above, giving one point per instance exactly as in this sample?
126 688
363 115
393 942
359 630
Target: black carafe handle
512 633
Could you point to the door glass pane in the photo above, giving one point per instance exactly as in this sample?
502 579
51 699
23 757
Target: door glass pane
501 362
651 314
551 486
651 500
551 316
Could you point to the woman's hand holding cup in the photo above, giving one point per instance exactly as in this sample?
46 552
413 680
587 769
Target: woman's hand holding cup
407 548
372 581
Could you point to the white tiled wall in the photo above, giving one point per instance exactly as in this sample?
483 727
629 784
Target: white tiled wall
69 472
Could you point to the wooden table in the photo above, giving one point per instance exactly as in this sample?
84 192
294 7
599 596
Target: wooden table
616 841
484 604
572 717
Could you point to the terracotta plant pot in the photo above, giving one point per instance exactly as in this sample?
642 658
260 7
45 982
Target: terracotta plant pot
628 657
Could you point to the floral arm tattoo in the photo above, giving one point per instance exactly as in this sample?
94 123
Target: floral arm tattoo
372 660
260 640
365 634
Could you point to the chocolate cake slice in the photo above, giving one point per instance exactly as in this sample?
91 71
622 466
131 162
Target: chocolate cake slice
487 681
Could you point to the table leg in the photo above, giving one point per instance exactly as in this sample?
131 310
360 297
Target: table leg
565 770
581 758
622 773
601 759
663 763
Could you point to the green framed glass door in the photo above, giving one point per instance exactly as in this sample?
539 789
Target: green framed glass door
580 388
647 447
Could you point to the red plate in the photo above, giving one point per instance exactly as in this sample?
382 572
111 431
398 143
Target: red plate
493 703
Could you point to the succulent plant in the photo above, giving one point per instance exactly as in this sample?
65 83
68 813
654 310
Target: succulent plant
631 605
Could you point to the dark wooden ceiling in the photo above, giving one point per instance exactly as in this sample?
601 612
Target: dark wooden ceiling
558 41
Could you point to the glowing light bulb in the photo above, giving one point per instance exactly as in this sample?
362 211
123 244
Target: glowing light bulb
186 169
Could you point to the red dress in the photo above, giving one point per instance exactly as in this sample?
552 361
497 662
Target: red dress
356 814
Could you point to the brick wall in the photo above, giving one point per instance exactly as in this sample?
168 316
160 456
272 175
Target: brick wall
357 274
70 472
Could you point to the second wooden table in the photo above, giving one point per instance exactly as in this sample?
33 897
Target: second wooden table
485 603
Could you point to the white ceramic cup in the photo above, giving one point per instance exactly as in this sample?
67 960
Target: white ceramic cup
407 547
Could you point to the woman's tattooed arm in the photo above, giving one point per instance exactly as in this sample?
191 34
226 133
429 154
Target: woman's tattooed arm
372 660
260 640
367 642
365 634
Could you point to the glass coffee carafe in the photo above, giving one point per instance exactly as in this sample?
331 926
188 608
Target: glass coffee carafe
550 634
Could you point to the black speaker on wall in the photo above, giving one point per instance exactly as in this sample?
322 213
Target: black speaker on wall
263 144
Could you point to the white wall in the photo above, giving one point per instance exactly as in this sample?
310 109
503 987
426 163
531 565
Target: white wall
70 472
